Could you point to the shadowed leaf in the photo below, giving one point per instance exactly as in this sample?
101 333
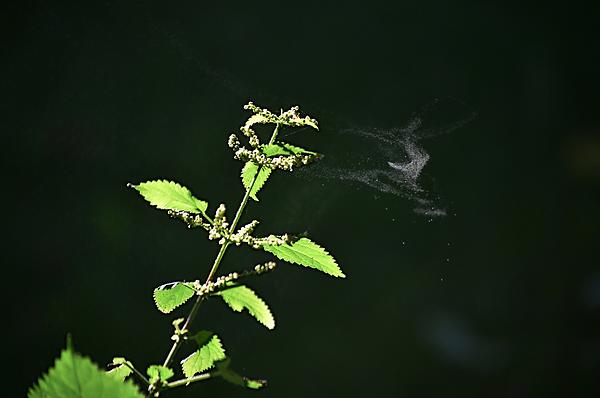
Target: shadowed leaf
234 378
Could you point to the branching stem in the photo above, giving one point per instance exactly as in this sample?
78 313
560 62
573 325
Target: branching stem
213 271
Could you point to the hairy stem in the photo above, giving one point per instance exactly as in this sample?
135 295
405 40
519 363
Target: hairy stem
215 267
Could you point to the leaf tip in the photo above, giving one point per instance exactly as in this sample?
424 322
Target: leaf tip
254 384
70 346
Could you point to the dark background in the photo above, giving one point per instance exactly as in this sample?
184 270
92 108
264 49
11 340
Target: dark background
501 298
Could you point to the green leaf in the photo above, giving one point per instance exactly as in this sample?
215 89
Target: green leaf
121 369
75 376
275 150
204 358
295 149
307 253
241 297
234 378
159 372
170 296
257 118
283 148
311 123
169 195
249 172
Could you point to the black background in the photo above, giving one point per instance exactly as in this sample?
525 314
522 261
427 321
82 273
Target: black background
501 298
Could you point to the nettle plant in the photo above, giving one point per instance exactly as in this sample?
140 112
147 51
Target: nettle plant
76 376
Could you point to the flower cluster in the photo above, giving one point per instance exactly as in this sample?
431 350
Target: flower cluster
286 161
258 156
266 267
271 240
179 332
225 281
219 226
288 118
218 284
243 233
191 219
217 229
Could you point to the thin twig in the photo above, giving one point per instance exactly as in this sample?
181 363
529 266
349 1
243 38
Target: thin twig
137 373
189 380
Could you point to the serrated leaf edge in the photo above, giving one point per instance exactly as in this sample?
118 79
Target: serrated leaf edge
161 287
258 184
259 299
198 352
171 182
293 261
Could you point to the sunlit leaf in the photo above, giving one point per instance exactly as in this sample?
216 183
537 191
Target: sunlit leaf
241 297
307 253
205 357
75 376
169 195
172 295
257 118
120 371
250 171
159 373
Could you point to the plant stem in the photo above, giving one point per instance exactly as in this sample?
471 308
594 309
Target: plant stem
238 214
195 308
216 263
274 135
189 380
138 374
